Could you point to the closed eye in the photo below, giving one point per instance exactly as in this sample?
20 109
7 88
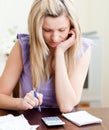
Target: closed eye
61 30
46 30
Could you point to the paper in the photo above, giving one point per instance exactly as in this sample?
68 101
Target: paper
11 122
81 118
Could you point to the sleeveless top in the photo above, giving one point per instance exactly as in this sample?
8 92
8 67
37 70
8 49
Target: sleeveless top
47 88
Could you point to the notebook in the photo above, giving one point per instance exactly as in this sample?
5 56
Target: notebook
11 122
81 118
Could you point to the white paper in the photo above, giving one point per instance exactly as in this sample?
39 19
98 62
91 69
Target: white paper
12 122
81 118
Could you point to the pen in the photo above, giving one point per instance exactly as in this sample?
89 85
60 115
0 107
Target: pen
35 94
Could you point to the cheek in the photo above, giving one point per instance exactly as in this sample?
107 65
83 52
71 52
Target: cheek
46 37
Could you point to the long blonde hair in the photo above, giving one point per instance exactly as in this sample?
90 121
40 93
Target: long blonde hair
39 52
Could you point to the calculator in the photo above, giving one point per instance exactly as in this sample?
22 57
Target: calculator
53 121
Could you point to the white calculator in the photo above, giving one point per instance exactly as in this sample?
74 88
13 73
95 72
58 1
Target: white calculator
53 121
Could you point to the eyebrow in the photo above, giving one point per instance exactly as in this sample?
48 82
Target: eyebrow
52 29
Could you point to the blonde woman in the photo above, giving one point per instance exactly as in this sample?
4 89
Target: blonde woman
52 60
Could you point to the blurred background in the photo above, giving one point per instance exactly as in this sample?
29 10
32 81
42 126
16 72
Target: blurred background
94 20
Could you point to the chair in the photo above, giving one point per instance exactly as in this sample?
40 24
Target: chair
16 91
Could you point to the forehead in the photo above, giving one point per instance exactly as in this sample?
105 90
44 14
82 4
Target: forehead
59 21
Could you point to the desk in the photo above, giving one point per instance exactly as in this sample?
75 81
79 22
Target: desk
34 117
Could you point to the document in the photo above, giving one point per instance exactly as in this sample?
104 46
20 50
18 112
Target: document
11 122
81 118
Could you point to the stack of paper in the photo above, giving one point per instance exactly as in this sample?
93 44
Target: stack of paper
81 118
11 122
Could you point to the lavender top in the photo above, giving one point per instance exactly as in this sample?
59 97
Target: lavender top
47 88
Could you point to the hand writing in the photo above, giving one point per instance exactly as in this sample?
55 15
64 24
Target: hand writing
29 101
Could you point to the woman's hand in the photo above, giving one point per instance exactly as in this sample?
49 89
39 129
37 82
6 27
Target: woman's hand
65 45
30 101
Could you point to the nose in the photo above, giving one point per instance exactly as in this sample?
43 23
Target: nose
55 37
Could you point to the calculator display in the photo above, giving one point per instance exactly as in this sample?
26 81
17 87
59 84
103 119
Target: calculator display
53 121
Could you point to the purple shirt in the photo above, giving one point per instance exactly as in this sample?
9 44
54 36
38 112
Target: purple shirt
47 88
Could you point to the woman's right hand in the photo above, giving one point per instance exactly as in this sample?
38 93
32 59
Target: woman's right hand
30 101
70 41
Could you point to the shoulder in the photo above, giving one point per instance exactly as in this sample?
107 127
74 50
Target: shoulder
24 43
23 38
86 43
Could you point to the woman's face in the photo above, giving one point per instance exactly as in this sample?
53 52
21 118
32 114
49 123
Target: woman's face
55 30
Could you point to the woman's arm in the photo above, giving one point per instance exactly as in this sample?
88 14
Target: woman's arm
12 71
10 77
68 90
8 81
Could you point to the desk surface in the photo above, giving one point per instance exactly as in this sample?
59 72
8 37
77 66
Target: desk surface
34 117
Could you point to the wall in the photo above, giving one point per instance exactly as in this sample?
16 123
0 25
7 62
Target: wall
97 18
101 16
14 13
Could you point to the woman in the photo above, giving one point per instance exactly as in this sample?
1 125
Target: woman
52 59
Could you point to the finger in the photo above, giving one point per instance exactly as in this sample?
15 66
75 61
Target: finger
28 106
30 101
30 95
36 101
40 97
72 33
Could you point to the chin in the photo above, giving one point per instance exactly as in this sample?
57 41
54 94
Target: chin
52 46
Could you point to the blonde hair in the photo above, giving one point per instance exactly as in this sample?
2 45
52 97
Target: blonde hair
39 52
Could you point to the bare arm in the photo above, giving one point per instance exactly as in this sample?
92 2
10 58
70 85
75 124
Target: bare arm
10 77
68 90
12 71
8 82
